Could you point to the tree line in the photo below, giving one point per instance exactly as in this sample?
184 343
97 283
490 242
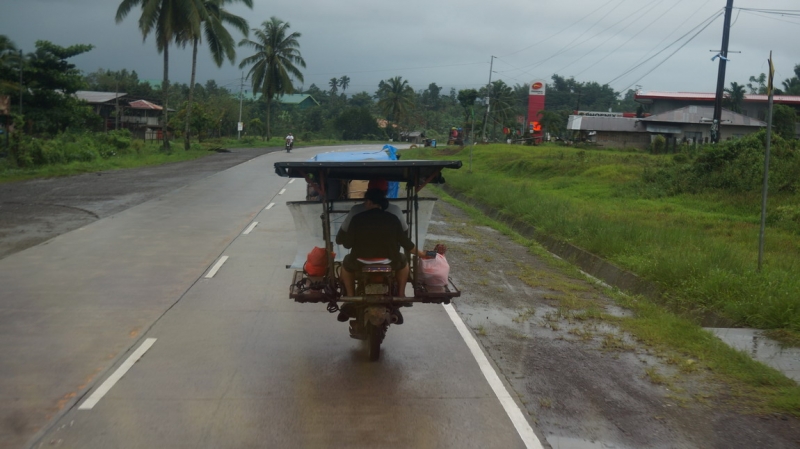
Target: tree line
42 82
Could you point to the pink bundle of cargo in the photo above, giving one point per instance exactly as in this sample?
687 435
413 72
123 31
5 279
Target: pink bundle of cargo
434 271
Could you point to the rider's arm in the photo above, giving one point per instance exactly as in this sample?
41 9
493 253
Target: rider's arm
344 238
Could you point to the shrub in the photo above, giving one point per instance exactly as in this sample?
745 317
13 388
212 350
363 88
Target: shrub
659 144
735 166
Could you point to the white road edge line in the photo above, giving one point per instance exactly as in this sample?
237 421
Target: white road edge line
282 192
250 228
291 180
216 267
269 206
114 378
514 413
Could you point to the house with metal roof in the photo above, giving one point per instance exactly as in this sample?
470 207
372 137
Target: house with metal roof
692 124
686 125
610 131
753 105
302 101
105 104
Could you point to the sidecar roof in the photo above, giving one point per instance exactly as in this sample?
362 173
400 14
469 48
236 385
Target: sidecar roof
402 171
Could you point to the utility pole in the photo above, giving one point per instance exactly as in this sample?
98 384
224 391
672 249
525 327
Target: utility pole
765 188
20 82
116 104
488 97
723 60
239 125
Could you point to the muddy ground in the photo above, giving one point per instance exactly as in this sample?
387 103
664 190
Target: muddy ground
584 383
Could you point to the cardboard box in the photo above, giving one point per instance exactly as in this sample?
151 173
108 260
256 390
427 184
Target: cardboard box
357 189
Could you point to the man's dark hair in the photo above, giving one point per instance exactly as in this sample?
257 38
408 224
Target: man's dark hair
378 197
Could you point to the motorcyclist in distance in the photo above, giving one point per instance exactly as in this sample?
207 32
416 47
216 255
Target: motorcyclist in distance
289 141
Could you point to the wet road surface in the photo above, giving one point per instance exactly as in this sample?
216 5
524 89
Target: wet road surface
228 360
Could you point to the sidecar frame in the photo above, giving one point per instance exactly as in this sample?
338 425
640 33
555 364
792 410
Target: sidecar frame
320 176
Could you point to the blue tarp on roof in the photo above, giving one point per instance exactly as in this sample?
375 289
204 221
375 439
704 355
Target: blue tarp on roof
387 153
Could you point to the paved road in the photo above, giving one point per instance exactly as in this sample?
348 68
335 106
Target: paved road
233 362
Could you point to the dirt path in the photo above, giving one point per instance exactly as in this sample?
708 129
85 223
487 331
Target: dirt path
584 383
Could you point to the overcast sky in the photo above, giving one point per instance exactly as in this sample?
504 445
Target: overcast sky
451 43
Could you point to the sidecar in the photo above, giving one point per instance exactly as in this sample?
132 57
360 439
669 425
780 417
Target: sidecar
333 187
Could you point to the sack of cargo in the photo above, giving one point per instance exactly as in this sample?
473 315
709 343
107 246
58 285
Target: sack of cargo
434 271
317 262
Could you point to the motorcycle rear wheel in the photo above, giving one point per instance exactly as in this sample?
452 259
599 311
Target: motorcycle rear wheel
375 336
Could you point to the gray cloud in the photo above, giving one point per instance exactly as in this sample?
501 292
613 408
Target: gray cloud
445 42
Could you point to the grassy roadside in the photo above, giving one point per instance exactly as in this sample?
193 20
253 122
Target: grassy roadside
700 248
69 155
749 385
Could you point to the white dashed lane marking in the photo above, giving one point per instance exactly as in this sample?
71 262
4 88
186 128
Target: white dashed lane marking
114 378
216 267
250 228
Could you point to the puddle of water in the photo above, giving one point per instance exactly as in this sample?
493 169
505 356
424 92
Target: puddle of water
618 312
543 321
558 442
447 238
444 223
761 348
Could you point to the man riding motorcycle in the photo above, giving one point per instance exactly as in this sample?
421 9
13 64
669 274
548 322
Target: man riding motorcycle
289 142
375 233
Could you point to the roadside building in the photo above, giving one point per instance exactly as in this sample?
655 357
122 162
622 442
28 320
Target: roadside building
609 130
143 119
302 101
753 105
105 104
687 125
415 137
692 124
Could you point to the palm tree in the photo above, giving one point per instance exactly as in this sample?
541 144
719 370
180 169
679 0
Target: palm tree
9 57
735 96
212 20
334 83
168 19
344 81
504 102
274 61
395 99
758 84
552 122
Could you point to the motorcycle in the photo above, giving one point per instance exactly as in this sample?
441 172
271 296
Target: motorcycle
377 302
289 145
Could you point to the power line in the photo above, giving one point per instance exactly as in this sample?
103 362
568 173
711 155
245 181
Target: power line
562 30
631 22
674 30
570 45
710 20
753 13
671 54
658 17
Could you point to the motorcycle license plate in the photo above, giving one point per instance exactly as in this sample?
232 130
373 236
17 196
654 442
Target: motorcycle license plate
376 289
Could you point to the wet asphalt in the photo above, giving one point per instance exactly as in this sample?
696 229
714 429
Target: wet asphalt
230 360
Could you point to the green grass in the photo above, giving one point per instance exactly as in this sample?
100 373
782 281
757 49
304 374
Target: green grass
701 248
147 155
750 385
67 155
